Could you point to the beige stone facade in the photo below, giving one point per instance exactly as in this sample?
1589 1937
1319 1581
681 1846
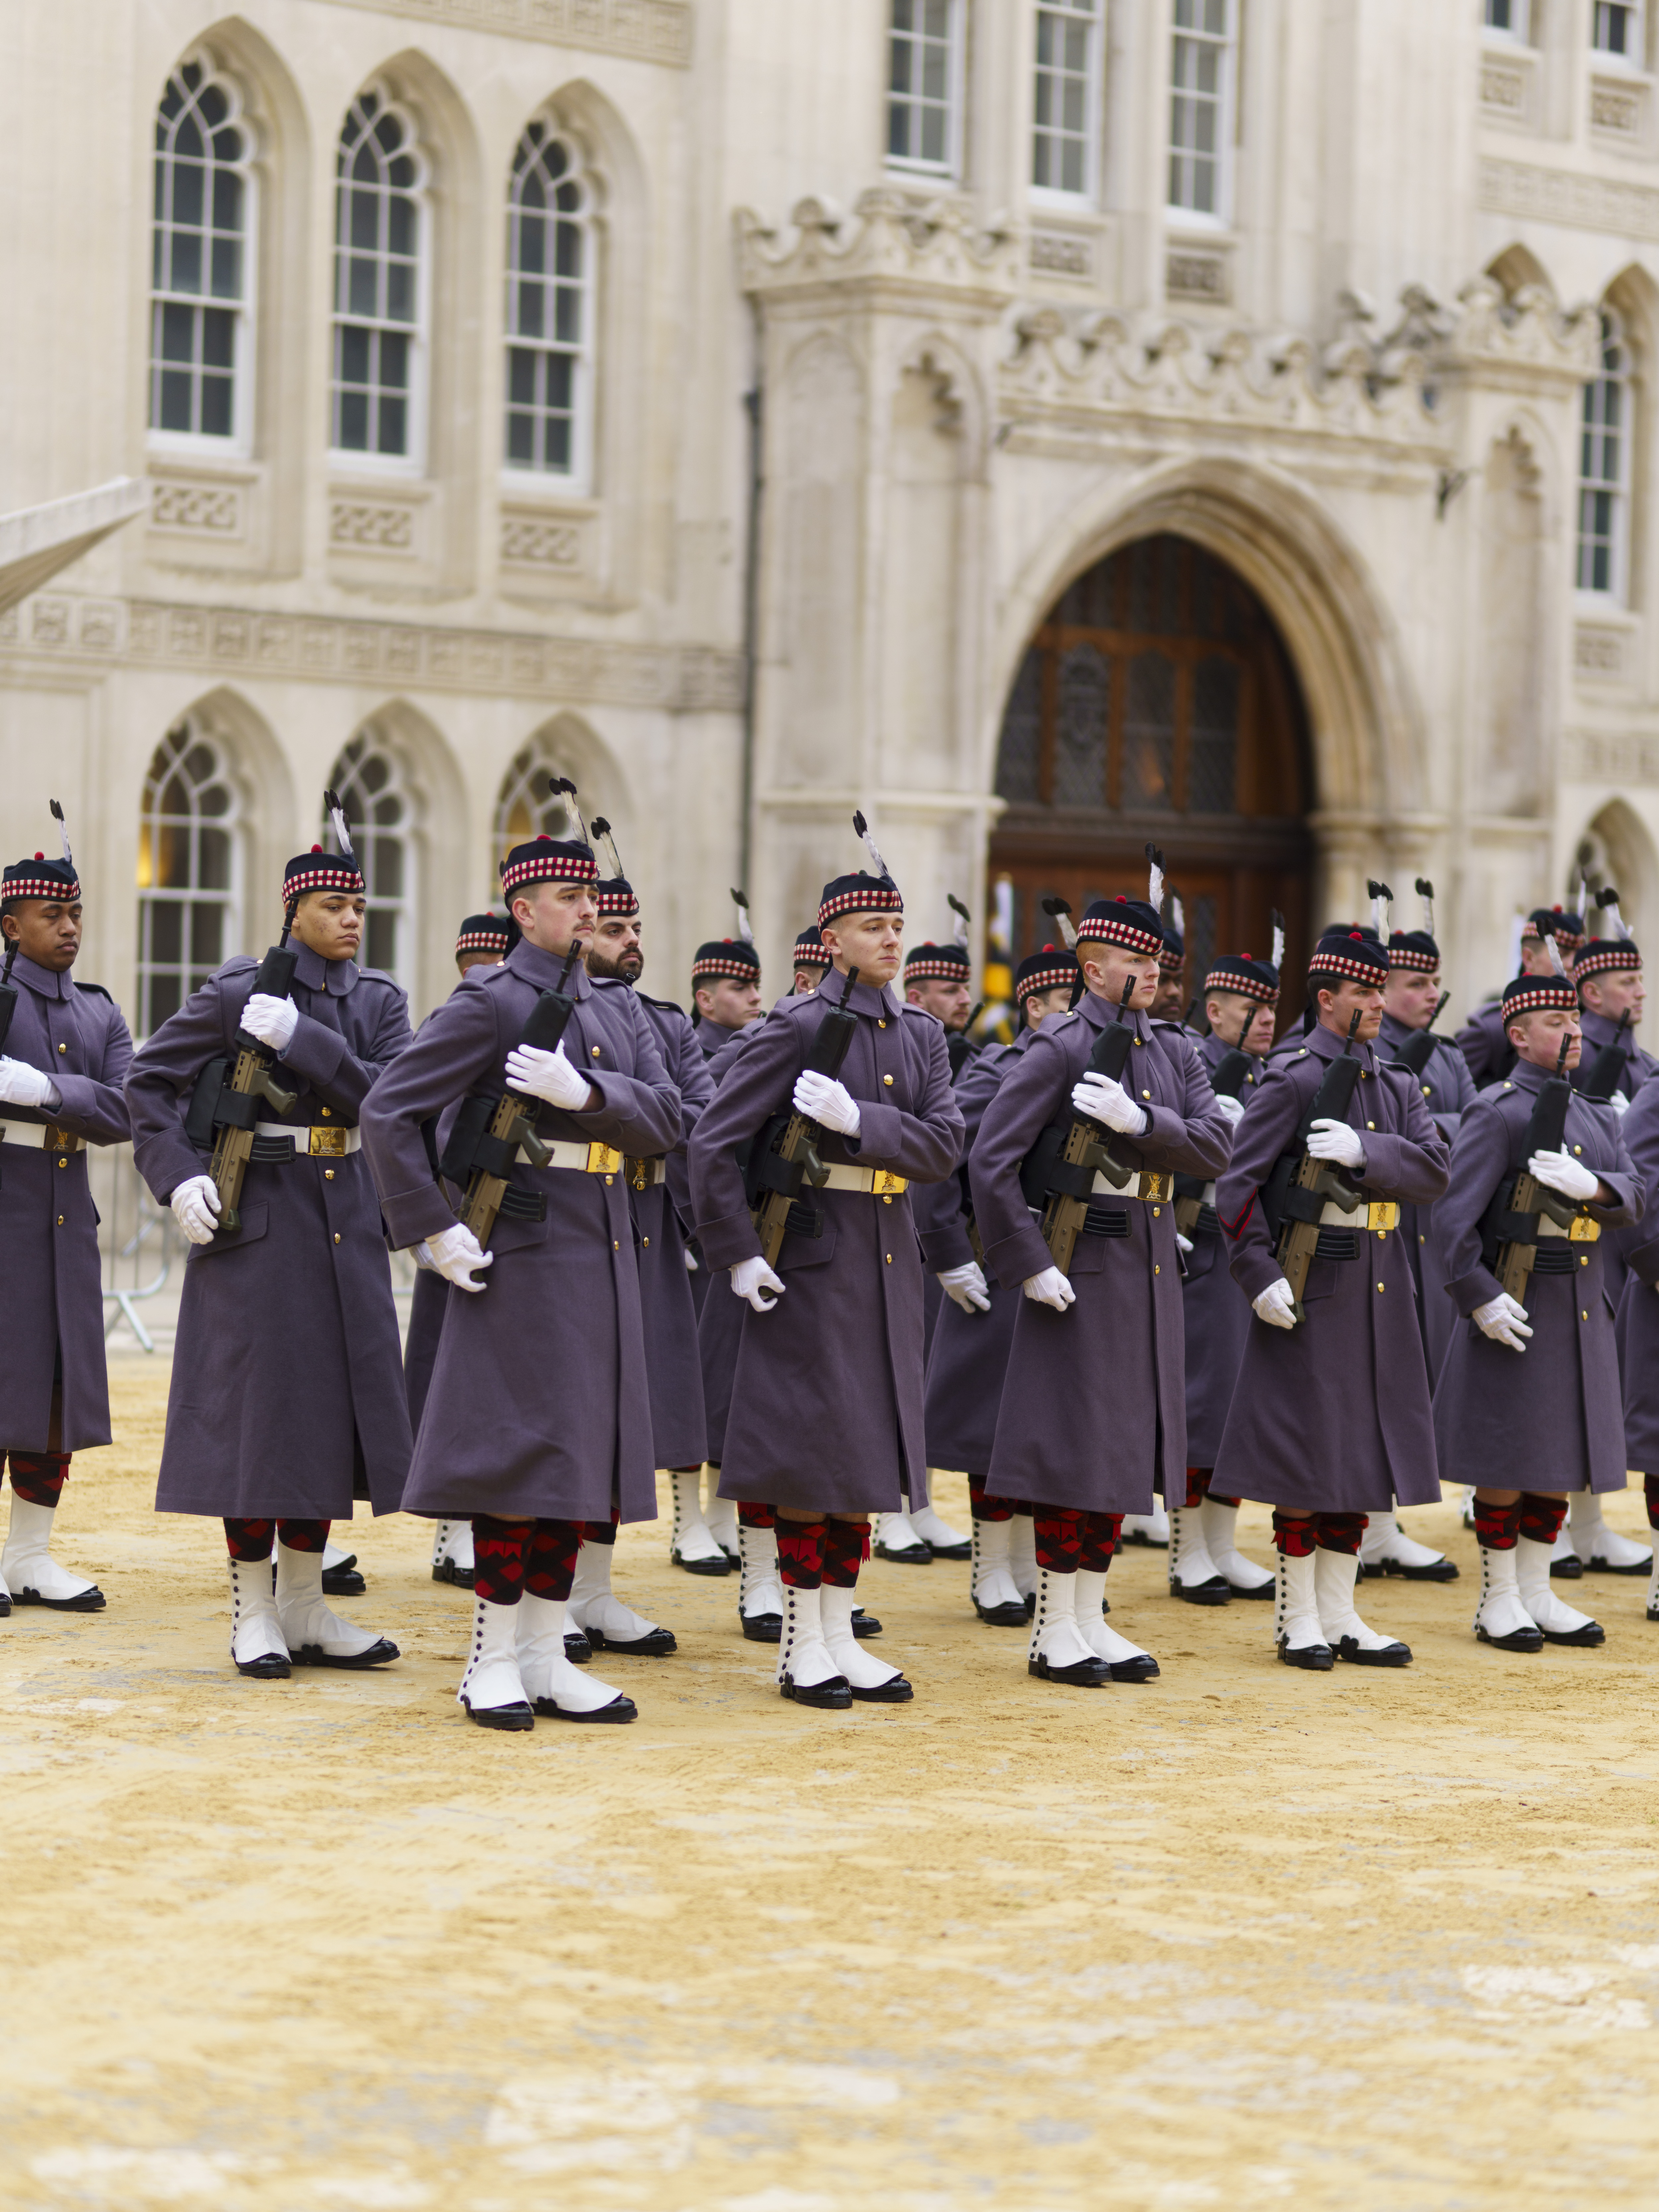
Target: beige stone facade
750 516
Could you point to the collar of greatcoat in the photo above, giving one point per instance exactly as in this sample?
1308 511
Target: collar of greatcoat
1323 1045
45 983
1598 1030
878 1002
543 969
336 977
1526 1075
1101 1013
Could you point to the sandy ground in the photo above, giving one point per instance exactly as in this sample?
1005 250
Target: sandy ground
1241 1937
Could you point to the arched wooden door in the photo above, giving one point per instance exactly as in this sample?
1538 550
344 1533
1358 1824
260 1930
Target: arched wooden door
1157 703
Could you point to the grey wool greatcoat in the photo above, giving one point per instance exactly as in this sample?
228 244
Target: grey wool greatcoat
539 1406
1216 1311
1598 1032
1447 1090
1549 1418
970 1354
678 1424
1094 1402
1333 1416
826 1408
426 1327
712 1037
48 1224
719 1318
286 1379
1639 1304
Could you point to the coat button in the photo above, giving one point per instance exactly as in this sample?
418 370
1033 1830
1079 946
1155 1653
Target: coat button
326 1111
63 1162
614 1245
328 1174
1583 1315
609 1181
882 1022
886 1201
596 1052
1146 1094
1583 1261
1578 1148
60 1221
1157 1270
1379 1286
63 1047
1157 1210
336 1237
888 1080
889 1259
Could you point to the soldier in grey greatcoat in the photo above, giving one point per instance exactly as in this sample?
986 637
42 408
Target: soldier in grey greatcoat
63 1062
287 1402
969 1357
1093 1414
1482 1041
1330 1418
826 1416
1241 1004
537 1422
1637 1323
1527 1401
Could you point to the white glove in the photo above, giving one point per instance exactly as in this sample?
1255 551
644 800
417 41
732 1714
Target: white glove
1050 1288
1560 1171
271 1022
23 1085
1620 1104
423 1258
691 1261
1275 1305
1232 1107
752 1279
195 1204
1335 1141
1102 1098
549 1075
966 1285
454 1253
1182 1243
830 1103
1503 1320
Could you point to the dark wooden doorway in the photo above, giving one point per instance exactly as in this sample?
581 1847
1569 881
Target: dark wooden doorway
1157 703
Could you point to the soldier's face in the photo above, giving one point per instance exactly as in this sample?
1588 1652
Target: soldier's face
1337 1009
1259 1035
331 923
615 950
1108 968
731 1003
1170 996
1537 1037
872 942
1412 998
1243 1023
553 917
948 1000
45 931
1042 1003
1612 994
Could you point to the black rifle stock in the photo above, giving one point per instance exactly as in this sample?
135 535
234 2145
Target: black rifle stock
490 1134
1301 1186
1510 1230
1418 1050
1227 1080
959 1045
251 1084
1058 1173
784 1156
1602 1076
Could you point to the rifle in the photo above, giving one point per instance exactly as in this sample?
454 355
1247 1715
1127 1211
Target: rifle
1300 1187
785 1155
490 1133
233 1105
1059 1172
1418 1050
1227 1080
1601 1077
959 1045
1508 1231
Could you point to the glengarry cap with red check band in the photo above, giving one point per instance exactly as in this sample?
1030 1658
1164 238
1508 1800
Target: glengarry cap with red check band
1532 995
487 933
1615 950
1047 970
1353 956
866 890
810 950
38 878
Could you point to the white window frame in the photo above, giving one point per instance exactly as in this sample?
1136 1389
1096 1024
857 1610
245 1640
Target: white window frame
1220 216
1616 489
1516 33
182 736
1635 56
577 480
348 460
956 81
1090 14
196 444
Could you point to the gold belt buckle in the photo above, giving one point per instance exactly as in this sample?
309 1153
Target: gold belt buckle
604 1159
1158 1183
1382 1214
327 1144
1583 1231
60 1140
641 1174
884 1183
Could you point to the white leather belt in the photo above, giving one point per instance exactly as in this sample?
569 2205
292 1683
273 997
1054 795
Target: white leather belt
1379 1215
318 1140
645 1175
1208 1198
586 1159
1147 1184
38 1136
874 1182
1582 1231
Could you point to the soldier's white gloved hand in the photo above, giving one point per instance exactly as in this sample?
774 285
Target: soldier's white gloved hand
23 1085
691 1261
1620 1104
1275 1305
1102 1098
423 1258
1050 1288
195 1204
752 1279
454 1253
1335 1141
1182 1243
549 1075
1232 1107
1560 1171
966 1285
825 1101
270 1022
1503 1320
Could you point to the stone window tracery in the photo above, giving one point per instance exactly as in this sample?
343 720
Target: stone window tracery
549 307
201 266
189 871
380 282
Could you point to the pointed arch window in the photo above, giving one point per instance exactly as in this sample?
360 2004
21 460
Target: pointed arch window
1604 458
380 283
526 807
374 790
549 307
189 871
201 261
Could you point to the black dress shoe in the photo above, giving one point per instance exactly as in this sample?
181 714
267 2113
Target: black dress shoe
909 1555
834 1696
1520 1640
1437 1570
1214 1589
1269 1590
1011 1614
1143 1667
344 1581
90 1601
1081 1674
864 1624
1570 1570
1598 1565
501 1717
619 1709
577 1649
720 1566
1153 1543
962 1551
1391 1655
762 1627
1313 1658
447 1571
896 1693
1585 1638
312 1655
5 1603
657 1645
270 1667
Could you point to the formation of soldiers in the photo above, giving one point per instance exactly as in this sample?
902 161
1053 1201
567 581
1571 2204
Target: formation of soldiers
1123 1272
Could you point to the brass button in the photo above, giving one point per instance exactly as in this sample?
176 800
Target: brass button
1578 1148
888 1080
63 1047
328 1174
614 1245
1379 1286
336 1237
1422 1240
62 1164
1583 1260
886 1201
1157 1210
1583 1315
609 1181
60 1221
1157 1270
882 1022
1381 1232
1139 1040
1426 1090
326 1111
1146 1094
596 1052
889 1259
1370 1124
645 1240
